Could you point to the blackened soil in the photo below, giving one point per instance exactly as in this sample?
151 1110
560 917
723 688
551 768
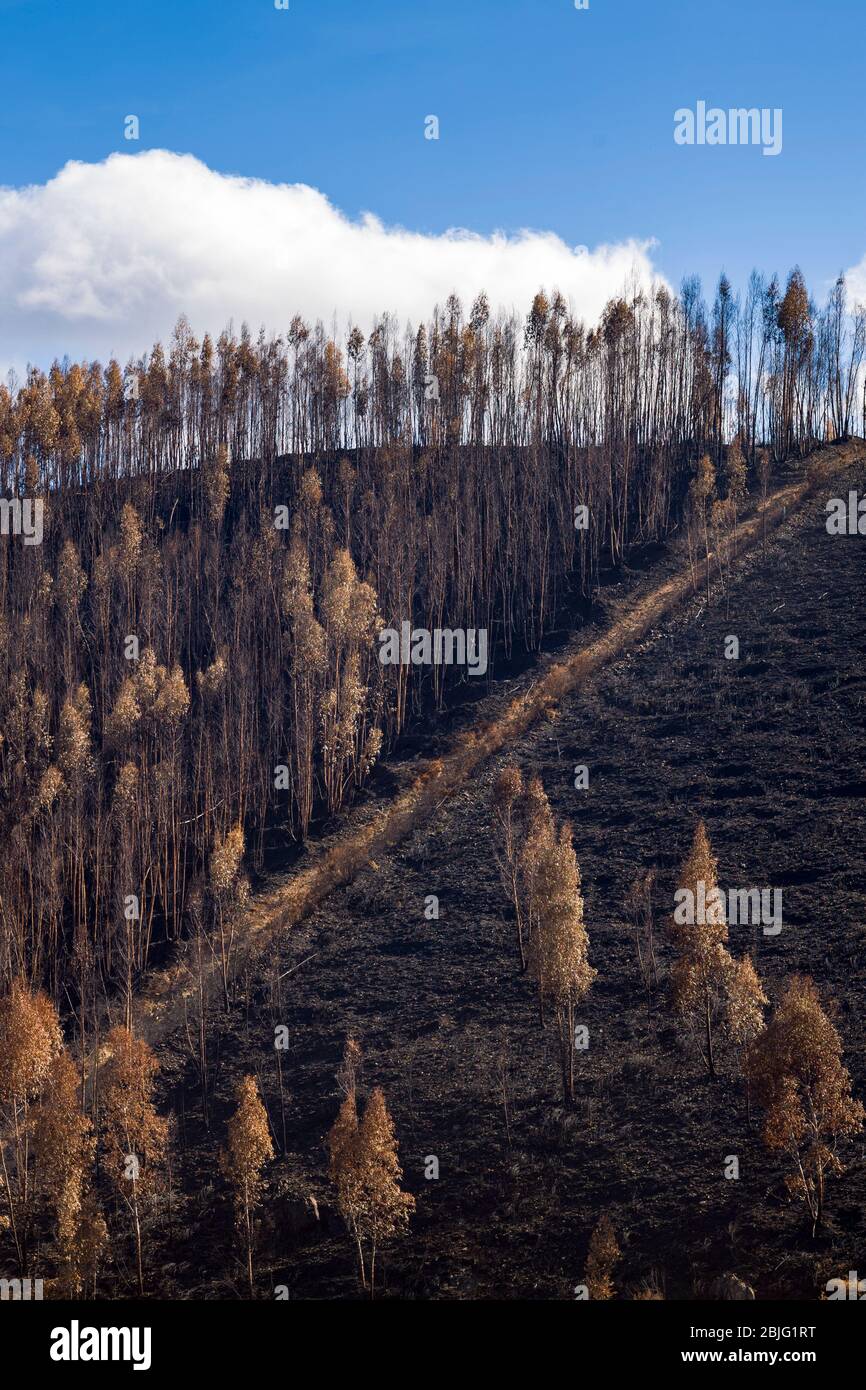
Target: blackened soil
770 749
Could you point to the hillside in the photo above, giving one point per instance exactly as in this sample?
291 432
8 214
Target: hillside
769 750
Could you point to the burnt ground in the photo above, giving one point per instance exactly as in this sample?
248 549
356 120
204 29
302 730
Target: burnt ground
771 750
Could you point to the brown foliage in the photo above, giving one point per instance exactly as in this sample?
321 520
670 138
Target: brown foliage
708 986
134 1135
249 1148
30 1040
65 1146
366 1173
558 941
796 1071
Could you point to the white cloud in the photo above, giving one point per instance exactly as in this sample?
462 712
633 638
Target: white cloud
102 259
855 283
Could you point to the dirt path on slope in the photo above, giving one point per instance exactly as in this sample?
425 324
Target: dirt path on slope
160 1008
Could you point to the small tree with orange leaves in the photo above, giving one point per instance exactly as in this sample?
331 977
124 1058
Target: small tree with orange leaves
346 1170
64 1144
349 747
249 1149
700 974
229 891
30 1039
710 988
745 1013
558 945
797 1074
134 1135
366 1172
745 1002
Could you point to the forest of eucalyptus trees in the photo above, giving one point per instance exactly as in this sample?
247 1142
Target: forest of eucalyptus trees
190 655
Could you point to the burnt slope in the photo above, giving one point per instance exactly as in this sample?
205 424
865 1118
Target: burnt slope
770 750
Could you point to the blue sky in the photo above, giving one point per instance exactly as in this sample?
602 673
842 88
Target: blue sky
551 118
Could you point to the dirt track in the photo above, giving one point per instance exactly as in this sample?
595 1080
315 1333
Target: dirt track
371 832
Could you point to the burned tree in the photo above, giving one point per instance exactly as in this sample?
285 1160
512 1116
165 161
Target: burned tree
366 1173
559 943
248 1149
798 1077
